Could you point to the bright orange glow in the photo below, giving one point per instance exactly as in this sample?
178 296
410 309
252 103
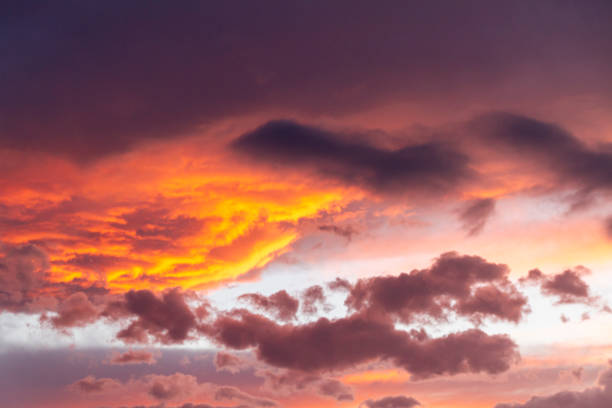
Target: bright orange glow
376 376
168 218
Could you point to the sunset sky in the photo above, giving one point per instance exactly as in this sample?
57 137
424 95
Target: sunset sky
283 204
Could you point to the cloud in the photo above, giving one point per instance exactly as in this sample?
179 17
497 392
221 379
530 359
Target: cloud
340 284
391 402
163 387
293 382
567 286
23 271
151 84
595 397
336 389
428 167
476 213
229 362
280 304
133 357
147 222
479 288
328 345
167 318
91 384
168 388
608 227
76 310
346 232
549 147
311 297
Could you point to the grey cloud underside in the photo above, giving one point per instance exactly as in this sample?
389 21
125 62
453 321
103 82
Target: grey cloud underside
443 164
427 167
552 148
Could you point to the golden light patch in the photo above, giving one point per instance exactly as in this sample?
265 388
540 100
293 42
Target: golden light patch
166 220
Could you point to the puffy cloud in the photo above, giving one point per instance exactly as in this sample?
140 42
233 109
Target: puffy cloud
567 286
327 345
427 167
596 397
280 304
479 289
133 357
475 214
391 402
167 318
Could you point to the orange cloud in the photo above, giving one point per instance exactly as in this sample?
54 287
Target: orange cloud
161 217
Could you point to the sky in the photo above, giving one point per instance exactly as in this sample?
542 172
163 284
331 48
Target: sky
282 204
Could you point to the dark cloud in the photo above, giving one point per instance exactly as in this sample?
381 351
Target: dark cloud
133 357
327 345
282 305
429 167
73 86
596 397
167 318
548 146
346 232
476 213
479 288
567 286
391 402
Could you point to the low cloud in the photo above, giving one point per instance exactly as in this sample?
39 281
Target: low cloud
599 396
